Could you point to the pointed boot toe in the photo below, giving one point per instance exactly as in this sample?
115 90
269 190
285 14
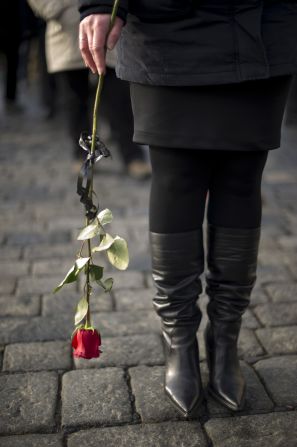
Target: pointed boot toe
231 397
182 377
185 393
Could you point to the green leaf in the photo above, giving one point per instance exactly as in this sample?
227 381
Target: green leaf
73 273
89 231
105 243
105 216
96 272
118 254
107 284
69 278
81 310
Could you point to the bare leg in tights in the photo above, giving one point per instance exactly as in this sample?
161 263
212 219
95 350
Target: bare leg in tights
181 179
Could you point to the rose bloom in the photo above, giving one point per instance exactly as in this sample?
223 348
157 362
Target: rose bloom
86 343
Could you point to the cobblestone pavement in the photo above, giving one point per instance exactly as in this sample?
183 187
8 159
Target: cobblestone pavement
47 398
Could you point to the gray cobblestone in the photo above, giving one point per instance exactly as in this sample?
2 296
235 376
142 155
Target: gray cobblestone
28 402
9 253
25 306
32 441
14 268
136 299
265 430
7 285
14 330
65 302
49 251
34 238
150 399
49 355
127 350
40 285
55 266
126 323
280 378
279 340
282 292
281 314
95 397
269 273
142 435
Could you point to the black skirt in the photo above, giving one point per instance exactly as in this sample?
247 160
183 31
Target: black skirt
244 116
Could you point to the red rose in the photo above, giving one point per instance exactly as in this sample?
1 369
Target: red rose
86 343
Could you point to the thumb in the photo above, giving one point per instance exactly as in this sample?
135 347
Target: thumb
114 34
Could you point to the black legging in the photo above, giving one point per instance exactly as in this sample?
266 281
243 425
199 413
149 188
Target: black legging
181 179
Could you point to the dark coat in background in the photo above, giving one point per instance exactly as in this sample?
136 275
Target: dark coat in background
199 42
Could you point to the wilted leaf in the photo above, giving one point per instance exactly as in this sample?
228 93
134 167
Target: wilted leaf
105 243
107 284
96 272
89 231
105 216
118 254
81 310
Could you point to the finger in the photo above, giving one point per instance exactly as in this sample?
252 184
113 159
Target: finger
85 36
114 34
97 48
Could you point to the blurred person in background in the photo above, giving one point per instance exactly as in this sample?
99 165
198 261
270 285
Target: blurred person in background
63 59
11 32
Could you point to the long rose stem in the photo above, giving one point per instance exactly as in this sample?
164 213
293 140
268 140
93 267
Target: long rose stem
93 145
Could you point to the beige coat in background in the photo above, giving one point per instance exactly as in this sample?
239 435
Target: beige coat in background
62 17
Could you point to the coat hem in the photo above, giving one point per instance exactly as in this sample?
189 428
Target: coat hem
215 78
178 141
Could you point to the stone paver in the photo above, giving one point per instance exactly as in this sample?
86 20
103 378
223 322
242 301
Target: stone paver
127 323
14 330
64 302
282 292
32 441
92 397
279 340
280 378
23 306
37 356
149 435
150 400
265 430
128 350
28 402
136 299
279 314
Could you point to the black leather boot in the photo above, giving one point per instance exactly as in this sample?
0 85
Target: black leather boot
177 263
232 264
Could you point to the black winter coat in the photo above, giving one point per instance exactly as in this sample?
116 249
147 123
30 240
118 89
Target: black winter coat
196 42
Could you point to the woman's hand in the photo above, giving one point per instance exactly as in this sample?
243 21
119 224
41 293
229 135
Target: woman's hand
93 40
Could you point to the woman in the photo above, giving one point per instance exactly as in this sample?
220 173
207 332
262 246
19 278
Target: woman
209 81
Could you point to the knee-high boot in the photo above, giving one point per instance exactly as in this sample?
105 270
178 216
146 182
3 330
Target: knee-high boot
232 263
177 263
